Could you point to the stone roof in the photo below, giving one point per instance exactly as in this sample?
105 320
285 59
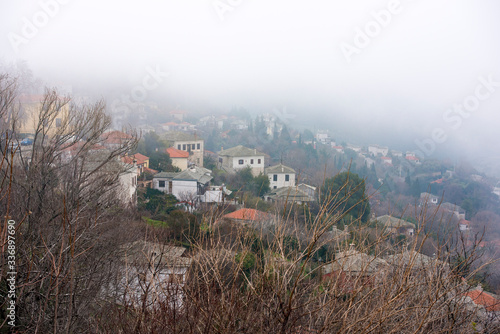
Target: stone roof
290 194
199 174
413 258
240 151
389 221
279 169
355 262
180 136
145 253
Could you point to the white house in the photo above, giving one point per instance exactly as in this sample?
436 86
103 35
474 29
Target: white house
190 143
378 150
280 176
240 157
429 198
152 273
189 184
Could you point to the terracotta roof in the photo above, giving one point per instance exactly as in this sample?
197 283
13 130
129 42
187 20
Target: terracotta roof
412 158
175 153
246 214
483 298
149 170
439 181
139 159
115 137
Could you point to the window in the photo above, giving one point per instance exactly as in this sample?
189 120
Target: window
275 187
198 146
275 177
179 146
184 147
258 161
251 161
193 146
240 161
161 184
287 178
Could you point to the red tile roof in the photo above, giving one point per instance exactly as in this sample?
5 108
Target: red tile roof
115 137
438 181
139 158
149 170
175 153
483 298
412 158
246 214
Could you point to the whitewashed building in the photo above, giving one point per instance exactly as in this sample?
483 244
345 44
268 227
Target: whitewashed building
240 157
280 176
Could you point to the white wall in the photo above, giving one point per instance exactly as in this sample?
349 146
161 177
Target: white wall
247 161
280 183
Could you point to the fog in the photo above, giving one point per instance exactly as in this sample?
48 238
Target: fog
382 72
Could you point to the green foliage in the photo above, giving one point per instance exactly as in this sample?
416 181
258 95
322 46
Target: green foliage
259 185
161 162
247 260
157 202
345 193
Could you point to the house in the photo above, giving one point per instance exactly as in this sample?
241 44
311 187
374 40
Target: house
179 158
190 143
413 159
411 258
183 126
178 114
353 270
455 209
189 184
309 190
140 160
488 302
215 194
395 153
240 157
464 225
378 150
288 194
386 160
30 107
280 176
152 272
396 226
426 198
339 149
248 217
115 139
355 148
126 191
323 137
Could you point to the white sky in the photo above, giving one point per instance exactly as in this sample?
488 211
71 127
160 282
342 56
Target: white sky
271 53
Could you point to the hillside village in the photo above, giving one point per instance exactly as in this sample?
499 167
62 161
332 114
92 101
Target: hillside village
189 176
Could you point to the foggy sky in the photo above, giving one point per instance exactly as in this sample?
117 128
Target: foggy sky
282 53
